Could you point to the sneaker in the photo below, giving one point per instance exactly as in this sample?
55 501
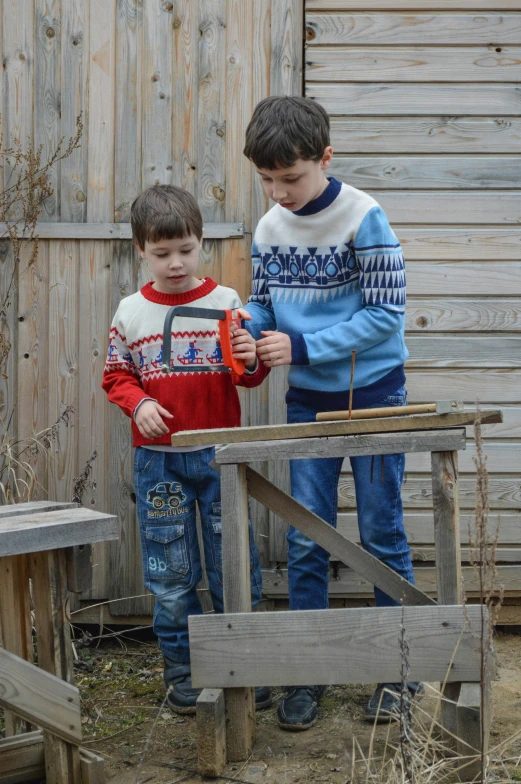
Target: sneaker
299 707
181 696
385 703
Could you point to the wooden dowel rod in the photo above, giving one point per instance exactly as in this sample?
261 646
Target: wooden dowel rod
374 413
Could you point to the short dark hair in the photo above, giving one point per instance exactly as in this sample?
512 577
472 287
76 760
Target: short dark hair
165 212
284 129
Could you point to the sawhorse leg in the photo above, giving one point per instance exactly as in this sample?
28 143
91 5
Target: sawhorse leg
459 709
240 703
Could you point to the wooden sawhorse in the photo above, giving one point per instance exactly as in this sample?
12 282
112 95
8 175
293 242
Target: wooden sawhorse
238 652
48 543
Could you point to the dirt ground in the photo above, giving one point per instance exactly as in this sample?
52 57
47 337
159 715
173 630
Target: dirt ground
122 694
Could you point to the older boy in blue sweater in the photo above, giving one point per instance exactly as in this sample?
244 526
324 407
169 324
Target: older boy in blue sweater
328 278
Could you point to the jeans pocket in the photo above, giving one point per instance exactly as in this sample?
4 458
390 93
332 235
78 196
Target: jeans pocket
166 551
144 459
398 398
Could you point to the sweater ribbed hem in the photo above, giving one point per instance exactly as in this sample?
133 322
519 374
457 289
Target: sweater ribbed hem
363 397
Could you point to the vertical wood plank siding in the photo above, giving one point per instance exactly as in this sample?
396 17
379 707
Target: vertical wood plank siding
165 91
433 148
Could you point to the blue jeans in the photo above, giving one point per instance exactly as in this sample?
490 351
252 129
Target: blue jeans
167 486
314 483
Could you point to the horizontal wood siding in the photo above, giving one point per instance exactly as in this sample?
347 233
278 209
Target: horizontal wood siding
426 116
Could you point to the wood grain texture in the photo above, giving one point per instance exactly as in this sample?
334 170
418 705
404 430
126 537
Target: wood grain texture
502 457
405 99
185 98
286 47
332 541
55 529
120 231
292 648
74 20
435 172
412 5
460 315
347 583
415 64
471 278
426 134
346 28
40 697
240 703
22 758
156 87
32 507
211 732
498 386
467 351
343 427
129 107
463 243
445 493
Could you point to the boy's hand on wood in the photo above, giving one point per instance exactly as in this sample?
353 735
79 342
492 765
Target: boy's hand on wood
243 346
149 419
274 348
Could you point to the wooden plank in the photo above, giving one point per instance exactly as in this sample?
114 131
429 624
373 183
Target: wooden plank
79 568
128 117
504 555
346 28
412 5
292 648
92 767
121 231
472 278
40 697
348 583
211 732
404 99
15 622
421 171
52 530
315 429
425 134
278 470
504 494
287 22
469 726
22 758
459 315
464 244
240 703
338 546
47 89
186 92
156 90
419 526
502 457
101 119
13 510
415 64
125 576
499 386
74 100
355 445
460 352
50 597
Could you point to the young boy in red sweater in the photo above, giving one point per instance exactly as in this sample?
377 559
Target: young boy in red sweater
167 229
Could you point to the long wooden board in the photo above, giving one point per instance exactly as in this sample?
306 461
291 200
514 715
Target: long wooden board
440 134
333 646
53 530
463 278
405 99
415 64
120 231
371 29
413 5
317 429
338 546
469 351
457 315
40 697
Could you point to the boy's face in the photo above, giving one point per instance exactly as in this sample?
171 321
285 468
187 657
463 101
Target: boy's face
173 263
296 186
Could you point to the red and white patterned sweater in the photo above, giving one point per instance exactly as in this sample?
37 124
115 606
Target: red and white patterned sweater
198 400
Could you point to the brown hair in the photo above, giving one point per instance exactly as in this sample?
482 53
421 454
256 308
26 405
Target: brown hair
164 212
284 129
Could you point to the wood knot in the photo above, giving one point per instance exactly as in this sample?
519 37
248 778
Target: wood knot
50 33
218 193
421 322
310 34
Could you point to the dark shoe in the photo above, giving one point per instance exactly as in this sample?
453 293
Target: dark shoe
262 697
180 694
386 701
299 707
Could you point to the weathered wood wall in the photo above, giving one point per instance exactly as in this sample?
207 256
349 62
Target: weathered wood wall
166 90
426 116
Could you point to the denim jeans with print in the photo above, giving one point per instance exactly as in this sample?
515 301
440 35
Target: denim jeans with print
167 487
378 482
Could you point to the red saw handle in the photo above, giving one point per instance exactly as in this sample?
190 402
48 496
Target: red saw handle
237 366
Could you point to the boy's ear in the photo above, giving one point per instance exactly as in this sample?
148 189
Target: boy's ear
139 250
327 158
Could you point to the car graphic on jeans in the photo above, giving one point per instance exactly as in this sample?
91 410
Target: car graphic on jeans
166 494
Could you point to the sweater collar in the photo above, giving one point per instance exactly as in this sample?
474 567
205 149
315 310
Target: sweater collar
159 298
324 200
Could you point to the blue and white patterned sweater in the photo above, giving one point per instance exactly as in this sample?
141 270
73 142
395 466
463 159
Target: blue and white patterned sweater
332 276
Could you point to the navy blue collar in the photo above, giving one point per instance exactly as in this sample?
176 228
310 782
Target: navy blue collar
324 200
